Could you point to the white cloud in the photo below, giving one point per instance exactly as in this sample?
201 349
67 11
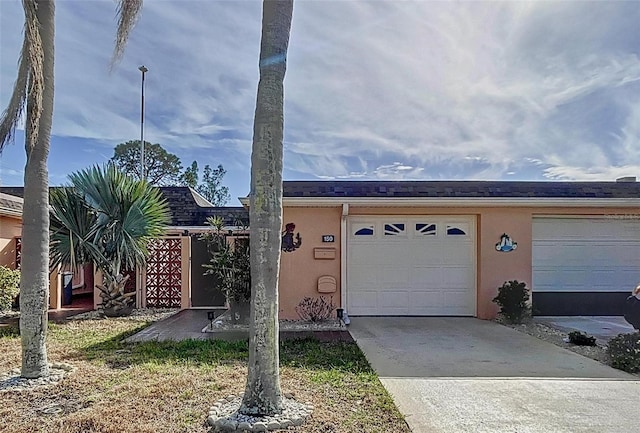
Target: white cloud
591 173
433 90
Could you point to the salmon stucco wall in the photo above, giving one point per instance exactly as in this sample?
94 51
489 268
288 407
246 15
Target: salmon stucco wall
10 228
299 269
495 267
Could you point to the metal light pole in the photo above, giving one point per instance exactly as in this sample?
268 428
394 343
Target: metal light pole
142 69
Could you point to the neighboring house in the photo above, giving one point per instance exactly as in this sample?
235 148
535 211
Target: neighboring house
174 276
10 229
437 247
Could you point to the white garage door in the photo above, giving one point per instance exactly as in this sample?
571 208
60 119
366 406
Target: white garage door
585 255
421 266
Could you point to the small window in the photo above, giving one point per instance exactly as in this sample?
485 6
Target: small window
364 230
391 229
457 229
426 229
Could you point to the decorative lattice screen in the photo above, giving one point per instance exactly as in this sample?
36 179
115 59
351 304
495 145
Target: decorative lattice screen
18 252
164 273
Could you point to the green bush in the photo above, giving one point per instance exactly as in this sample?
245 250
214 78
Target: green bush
229 261
580 339
624 352
9 287
513 299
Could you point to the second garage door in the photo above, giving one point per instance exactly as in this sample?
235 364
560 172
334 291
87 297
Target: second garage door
584 266
423 266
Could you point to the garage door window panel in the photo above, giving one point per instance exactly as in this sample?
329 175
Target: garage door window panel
364 230
394 229
457 229
426 229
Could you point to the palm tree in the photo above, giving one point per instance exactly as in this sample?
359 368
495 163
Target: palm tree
34 88
107 218
262 394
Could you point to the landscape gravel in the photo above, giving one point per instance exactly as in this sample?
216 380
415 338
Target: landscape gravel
224 323
12 381
224 416
139 314
560 338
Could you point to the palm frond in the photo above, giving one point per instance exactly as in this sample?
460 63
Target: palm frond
128 213
127 11
29 84
35 85
13 113
72 229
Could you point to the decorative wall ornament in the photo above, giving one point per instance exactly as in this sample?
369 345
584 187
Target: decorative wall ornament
288 243
506 244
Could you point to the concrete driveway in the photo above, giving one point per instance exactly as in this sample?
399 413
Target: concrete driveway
468 375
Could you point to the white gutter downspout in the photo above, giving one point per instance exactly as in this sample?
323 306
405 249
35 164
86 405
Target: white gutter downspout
343 258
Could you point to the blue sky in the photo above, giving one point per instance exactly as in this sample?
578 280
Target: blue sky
374 89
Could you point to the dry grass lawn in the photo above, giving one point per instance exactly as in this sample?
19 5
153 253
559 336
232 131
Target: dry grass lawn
168 387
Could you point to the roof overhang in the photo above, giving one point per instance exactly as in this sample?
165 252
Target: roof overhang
459 202
11 213
6 209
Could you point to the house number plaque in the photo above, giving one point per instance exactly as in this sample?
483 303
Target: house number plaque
328 238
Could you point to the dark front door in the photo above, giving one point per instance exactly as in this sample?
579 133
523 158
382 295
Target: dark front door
205 290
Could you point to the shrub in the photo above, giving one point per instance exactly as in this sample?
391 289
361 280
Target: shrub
9 287
513 299
229 261
315 309
624 352
580 339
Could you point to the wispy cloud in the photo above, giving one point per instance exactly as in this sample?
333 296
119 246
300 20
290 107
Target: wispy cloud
407 90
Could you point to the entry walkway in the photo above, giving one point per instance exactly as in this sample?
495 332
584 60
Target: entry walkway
184 325
467 375
188 325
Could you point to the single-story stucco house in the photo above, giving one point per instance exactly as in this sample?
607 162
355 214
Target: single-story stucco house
444 247
424 247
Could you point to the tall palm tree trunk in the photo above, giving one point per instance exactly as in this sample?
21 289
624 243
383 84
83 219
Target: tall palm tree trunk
263 395
34 283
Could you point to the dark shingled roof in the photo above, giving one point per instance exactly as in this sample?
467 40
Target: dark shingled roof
185 209
16 191
461 189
